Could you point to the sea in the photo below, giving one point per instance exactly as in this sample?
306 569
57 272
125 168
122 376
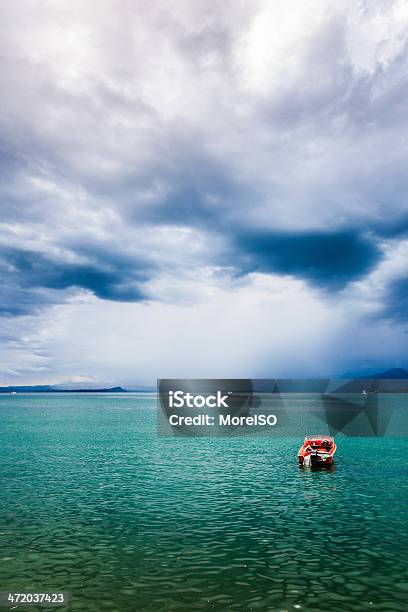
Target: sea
95 504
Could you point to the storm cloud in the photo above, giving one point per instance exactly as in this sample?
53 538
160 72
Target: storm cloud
327 259
159 154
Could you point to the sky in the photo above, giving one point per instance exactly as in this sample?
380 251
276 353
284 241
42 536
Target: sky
202 189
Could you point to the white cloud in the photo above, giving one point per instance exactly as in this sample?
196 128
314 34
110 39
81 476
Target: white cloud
261 327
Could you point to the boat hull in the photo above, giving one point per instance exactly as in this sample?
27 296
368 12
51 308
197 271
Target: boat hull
316 461
317 451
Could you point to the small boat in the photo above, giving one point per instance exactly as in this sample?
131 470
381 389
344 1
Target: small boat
317 451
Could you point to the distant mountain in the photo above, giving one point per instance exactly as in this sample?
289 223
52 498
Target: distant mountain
390 381
394 373
52 389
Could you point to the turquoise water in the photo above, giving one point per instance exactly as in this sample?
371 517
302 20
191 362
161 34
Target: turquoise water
92 502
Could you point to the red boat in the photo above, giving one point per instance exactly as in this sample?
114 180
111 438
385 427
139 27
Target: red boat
317 451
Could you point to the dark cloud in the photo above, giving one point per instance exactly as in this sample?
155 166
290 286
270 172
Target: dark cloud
392 226
18 301
397 302
329 259
26 274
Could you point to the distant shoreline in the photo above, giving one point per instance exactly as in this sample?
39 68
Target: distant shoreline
50 389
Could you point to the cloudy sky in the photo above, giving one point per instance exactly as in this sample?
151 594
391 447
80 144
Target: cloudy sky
202 189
